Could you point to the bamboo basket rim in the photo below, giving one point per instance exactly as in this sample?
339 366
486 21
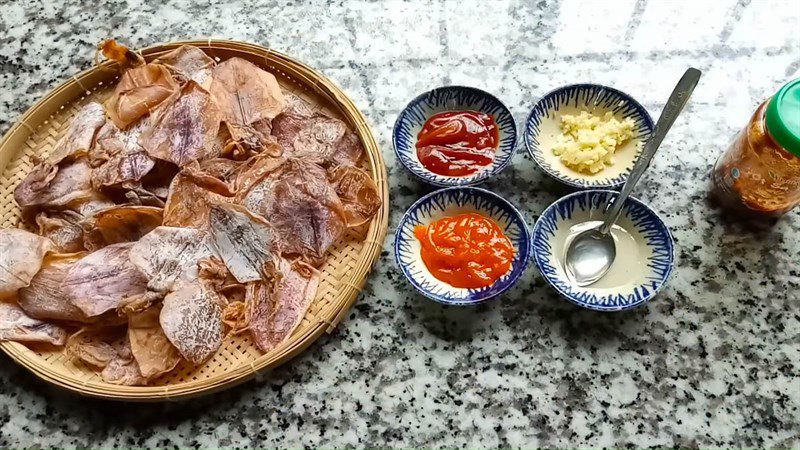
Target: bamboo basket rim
349 286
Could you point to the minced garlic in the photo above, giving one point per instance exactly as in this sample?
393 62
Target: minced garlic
587 142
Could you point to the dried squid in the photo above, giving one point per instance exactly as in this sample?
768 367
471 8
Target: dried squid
122 368
79 138
63 228
358 193
94 345
249 98
190 200
152 350
168 255
140 90
44 298
188 63
21 255
277 309
302 205
118 157
192 320
103 280
119 224
15 325
245 242
184 129
56 186
315 136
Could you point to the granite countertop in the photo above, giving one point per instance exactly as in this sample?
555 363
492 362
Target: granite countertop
714 361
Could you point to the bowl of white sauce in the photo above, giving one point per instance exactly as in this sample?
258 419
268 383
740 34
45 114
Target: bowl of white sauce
645 251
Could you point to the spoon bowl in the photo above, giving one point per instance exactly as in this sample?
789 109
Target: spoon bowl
589 256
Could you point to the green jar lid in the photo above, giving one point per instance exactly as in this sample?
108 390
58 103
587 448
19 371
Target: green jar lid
783 117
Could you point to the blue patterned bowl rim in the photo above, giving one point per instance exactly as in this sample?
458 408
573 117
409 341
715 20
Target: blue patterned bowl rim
665 264
530 128
502 285
505 151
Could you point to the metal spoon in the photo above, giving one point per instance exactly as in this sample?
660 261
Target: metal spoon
591 253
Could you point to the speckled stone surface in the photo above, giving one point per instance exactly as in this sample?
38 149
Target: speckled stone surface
714 361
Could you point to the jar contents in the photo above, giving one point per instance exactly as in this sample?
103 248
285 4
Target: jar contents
760 171
458 143
465 251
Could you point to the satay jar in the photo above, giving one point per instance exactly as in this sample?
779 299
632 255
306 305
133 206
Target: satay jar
760 172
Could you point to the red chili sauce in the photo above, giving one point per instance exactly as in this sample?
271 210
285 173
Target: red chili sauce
458 143
465 251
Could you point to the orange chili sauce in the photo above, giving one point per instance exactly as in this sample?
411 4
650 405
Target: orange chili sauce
465 251
457 143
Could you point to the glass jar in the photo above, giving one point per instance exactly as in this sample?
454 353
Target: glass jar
760 172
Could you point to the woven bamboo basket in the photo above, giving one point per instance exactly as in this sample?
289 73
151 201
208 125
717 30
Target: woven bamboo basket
238 360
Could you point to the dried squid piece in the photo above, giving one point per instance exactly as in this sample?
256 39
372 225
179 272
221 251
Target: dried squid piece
151 349
120 224
63 228
318 139
21 255
94 345
115 51
189 63
223 169
315 136
358 193
118 157
250 140
192 320
276 310
193 170
259 169
245 242
247 96
303 207
294 118
151 190
327 141
185 129
190 200
17 326
140 90
167 255
80 135
96 203
215 273
123 369
62 185
44 298
137 195
103 280
236 315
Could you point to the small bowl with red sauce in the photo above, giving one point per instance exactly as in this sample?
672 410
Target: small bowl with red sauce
462 246
455 136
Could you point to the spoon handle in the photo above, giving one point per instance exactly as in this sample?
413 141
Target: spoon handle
677 100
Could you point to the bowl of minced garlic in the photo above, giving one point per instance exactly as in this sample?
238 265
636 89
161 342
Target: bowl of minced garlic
587 135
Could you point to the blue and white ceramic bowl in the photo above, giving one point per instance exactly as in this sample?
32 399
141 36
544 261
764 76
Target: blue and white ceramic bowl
452 98
543 126
450 202
645 257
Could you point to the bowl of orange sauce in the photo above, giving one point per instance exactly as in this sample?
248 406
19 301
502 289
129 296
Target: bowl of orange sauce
455 136
462 246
